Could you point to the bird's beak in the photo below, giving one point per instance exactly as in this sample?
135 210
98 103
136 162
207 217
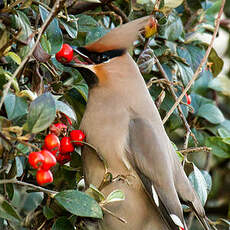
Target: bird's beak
80 60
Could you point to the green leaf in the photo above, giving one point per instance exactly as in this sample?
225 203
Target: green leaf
16 169
62 223
172 3
217 62
192 53
95 34
32 201
66 109
77 101
214 8
199 183
70 26
174 29
201 85
7 211
95 193
41 114
48 212
198 101
223 132
186 72
219 148
208 180
79 203
86 23
53 32
116 195
226 140
211 113
82 88
22 22
15 106
14 57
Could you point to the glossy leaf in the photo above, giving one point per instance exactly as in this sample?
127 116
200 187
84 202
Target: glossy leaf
219 148
223 132
66 109
79 203
175 28
22 22
211 113
62 223
116 195
216 62
7 211
71 26
15 106
48 212
95 193
95 34
41 114
199 183
186 72
53 31
86 23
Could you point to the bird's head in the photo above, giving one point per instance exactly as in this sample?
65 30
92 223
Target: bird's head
112 45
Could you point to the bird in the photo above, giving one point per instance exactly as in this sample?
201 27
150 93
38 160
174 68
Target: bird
130 143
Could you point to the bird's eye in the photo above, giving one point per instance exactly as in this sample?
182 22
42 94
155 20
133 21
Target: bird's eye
104 58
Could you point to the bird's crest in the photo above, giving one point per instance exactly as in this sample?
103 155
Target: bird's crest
121 37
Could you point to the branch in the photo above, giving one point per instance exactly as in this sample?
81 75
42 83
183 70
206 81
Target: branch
199 69
14 181
52 14
80 7
186 125
119 12
197 149
112 214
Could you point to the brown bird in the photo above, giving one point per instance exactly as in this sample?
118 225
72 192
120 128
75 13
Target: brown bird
122 122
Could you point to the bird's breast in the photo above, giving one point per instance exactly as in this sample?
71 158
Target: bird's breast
107 130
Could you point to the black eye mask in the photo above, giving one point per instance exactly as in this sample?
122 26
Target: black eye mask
96 57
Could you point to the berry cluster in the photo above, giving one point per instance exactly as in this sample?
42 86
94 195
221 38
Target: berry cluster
54 150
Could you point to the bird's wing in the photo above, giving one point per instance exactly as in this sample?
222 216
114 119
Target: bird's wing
150 153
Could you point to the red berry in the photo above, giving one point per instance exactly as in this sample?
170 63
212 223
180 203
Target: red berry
52 143
36 159
188 98
65 55
49 159
62 159
58 128
44 177
77 135
66 145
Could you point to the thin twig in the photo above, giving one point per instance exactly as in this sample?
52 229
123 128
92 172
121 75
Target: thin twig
112 214
197 149
14 181
186 125
110 13
118 11
48 20
8 141
199 69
